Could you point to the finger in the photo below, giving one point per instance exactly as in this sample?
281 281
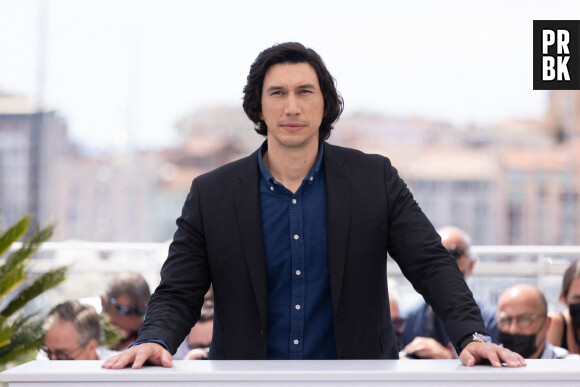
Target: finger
107 363
143 354
467 358
166 360
493 358
512 359
121 361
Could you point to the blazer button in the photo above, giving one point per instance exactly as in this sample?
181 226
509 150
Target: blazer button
262 333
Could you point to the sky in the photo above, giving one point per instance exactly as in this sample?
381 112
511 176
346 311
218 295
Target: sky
123 72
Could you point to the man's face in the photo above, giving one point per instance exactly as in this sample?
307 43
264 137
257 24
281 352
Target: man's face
128 323
522 313
292 106
61 343
459 249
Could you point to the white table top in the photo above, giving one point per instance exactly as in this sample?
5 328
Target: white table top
306 370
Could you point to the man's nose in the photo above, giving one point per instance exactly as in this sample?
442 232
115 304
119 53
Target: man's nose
292 107
513 327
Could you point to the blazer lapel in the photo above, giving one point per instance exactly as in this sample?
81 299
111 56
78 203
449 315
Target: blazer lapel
247 208
338 194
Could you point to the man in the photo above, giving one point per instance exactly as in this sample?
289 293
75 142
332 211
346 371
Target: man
522 315
199 338
294 240
424 335
72 332
125 302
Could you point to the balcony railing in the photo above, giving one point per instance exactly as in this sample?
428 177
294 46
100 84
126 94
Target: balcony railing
93 263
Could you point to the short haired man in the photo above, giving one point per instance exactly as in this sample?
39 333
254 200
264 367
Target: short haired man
294 239
125 302
72 332
424 336
522 315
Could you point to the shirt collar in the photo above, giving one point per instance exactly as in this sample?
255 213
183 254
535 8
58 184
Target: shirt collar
268 176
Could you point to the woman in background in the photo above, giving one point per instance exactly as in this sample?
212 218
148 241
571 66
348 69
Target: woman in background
565 328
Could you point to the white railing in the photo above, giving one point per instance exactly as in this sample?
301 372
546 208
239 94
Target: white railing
93 263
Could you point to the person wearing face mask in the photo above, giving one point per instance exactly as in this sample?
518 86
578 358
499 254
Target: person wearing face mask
523 321
424 335
565 328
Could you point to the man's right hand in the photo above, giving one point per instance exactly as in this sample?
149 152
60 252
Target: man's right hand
137 355
428 348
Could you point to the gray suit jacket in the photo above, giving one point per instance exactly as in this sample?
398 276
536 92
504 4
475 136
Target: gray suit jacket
370 213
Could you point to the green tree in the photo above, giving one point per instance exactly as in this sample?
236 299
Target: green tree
22 334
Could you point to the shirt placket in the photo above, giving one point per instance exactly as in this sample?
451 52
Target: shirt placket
297 283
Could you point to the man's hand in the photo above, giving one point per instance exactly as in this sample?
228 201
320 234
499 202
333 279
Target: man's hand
427 348
196 354
475 352
137 355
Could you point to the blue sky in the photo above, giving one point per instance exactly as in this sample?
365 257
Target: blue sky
125 71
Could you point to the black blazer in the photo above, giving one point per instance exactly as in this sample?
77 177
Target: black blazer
370 213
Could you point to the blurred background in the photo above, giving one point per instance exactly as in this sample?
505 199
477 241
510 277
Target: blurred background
108 110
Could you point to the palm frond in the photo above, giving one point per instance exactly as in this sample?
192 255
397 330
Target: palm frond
13 234
46 281
21 336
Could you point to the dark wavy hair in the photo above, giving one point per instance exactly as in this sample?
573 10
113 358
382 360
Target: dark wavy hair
571 273
291 53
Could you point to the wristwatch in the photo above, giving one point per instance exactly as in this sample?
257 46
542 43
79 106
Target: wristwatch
475 336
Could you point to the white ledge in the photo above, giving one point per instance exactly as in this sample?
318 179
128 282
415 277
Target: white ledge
306 373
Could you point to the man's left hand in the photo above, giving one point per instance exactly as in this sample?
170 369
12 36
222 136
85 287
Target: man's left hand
475 352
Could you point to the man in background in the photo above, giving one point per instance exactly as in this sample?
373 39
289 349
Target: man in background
125 302
424 336
72 332
522 316
199 338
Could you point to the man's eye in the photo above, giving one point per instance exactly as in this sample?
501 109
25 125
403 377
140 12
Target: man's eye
305 91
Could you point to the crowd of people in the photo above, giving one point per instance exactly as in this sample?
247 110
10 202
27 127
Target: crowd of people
520 322
75 330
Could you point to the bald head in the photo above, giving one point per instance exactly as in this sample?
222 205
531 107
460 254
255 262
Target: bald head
523 296
458 243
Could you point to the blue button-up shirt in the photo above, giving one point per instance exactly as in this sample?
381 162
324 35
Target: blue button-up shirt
300 320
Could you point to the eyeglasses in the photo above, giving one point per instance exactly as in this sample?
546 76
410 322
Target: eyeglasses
456 251
124 310
523 320
59 354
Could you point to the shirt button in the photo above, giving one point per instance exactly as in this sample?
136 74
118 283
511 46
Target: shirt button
297 307
298 272
296 342
311 178
293 201
271 188
296 237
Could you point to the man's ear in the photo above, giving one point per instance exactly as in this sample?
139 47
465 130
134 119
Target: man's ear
92 344
470 266
103 303
547 323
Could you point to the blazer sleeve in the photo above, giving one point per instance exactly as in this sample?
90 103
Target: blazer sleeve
416 247
185 278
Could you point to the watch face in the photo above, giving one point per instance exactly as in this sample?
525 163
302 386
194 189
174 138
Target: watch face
479 336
